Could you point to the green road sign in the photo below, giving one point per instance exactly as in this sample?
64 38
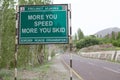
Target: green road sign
41 24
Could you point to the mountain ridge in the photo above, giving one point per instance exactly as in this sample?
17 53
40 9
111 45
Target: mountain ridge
104 32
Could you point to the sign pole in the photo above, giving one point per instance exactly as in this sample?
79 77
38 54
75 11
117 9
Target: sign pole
16 43
70 42
71 59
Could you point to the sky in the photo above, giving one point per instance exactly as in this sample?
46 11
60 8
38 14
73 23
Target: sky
92 16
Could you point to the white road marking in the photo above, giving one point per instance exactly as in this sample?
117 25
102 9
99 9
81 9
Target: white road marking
91 63
111 70
81 61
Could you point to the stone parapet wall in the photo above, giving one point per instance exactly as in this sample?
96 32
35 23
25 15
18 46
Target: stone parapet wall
105 55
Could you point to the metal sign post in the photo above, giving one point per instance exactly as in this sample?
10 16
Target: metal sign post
70 58
16 43
70 43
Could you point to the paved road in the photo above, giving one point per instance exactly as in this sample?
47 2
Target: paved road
94 69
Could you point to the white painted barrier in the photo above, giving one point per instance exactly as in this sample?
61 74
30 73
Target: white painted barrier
106 55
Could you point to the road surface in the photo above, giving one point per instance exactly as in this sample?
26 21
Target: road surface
94 69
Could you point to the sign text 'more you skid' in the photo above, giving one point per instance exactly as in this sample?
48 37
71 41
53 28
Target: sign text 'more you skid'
41 24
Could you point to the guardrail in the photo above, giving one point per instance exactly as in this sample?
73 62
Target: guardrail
106 55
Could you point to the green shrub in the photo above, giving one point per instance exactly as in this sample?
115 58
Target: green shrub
88 41
116 43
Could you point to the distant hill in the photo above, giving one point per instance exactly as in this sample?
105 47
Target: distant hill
104 32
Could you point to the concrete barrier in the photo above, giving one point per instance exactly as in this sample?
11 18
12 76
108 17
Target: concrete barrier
105 55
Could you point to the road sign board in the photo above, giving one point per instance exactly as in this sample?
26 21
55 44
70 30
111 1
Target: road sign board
41 24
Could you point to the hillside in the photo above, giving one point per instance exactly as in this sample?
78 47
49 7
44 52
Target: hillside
104 32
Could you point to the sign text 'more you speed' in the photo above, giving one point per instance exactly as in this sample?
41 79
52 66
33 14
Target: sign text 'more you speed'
36 26
43 24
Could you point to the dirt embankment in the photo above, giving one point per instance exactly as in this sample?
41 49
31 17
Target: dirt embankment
102 47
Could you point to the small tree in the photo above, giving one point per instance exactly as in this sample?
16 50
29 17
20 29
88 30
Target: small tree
75 37
80 34
113 35
118 37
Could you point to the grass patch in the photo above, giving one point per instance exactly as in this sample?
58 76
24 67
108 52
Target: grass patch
108 49
117 48
37 68
6 74
9 74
